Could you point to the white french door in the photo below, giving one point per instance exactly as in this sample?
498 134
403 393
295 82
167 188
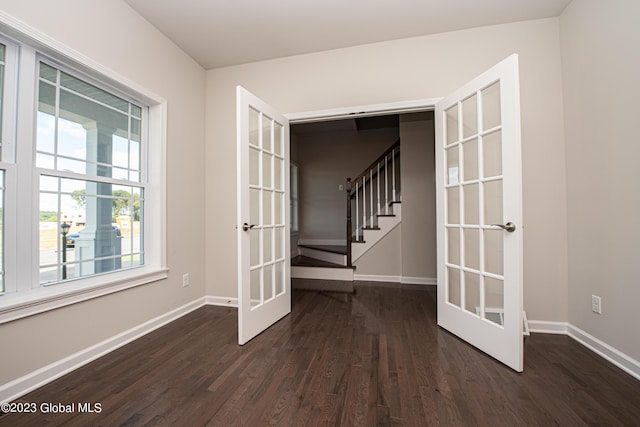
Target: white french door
264 278
479 205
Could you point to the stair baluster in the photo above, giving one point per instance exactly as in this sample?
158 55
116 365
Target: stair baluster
357 195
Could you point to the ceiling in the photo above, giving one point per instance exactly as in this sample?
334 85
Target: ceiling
219 33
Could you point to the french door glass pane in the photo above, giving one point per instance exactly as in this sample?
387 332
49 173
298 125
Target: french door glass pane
254 123
254 237
470 116
268 245
494 298
453 244
472 248
268 282
493 202
254 166
493 252
470 150
454 286
453 205
278 208
278 174
451 117
267 142
492 154
267 159
471 204
471 292
278 139
453 165
279 242
254 206
255 296
491 106
280 276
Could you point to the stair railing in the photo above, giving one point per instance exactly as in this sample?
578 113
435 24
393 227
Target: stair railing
371 193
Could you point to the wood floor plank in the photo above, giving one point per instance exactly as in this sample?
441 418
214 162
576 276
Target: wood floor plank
375 358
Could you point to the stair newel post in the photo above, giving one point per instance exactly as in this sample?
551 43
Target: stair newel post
349 225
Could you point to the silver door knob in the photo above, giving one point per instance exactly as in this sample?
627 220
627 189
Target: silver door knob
247 227
510 227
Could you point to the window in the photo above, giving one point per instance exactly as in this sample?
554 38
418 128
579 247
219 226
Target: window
81 178
88 151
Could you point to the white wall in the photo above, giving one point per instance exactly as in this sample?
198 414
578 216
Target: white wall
601 68
111 33
417 157
420 67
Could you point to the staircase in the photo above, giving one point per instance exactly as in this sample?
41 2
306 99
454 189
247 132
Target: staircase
373 209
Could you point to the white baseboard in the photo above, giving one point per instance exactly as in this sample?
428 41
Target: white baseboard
323 242
23 385
222 301
376 278
604 350
419 280
395 279
613 355
547 327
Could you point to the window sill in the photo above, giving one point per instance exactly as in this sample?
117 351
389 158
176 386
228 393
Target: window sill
45 298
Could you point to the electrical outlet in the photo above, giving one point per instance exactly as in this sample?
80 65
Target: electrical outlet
596 304
185 279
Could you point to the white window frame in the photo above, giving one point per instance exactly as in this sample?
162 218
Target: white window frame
24 295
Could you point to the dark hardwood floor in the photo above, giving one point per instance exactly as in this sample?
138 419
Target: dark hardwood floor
374 358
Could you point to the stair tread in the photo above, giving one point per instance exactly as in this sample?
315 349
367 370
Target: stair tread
385 215
371 228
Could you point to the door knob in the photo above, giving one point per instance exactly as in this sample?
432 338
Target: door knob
247 227
510 227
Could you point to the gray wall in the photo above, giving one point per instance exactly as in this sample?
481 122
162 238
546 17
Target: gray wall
601 69
409 251
326 159
419 250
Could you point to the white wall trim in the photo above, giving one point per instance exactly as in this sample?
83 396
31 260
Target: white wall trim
548 327
33 380
395 279
613 355
363 110
222 301
431 281
376 278
323 242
